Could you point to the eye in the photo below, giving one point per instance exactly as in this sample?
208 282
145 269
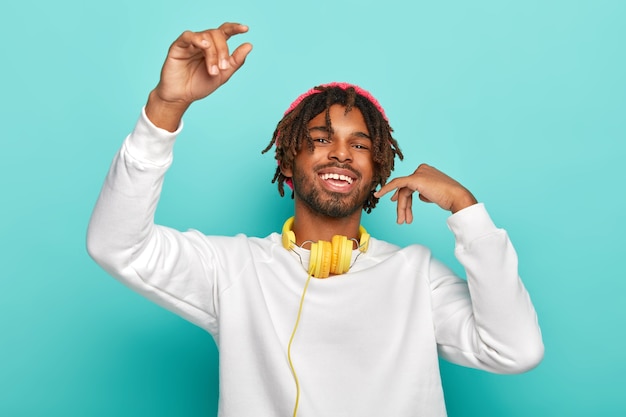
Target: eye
361 146
320 139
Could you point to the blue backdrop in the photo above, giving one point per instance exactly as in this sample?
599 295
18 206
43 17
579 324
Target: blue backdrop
523 102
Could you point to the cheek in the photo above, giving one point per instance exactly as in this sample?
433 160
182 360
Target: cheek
369 167
377 177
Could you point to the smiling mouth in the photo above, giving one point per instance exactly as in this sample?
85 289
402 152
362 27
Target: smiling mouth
337 177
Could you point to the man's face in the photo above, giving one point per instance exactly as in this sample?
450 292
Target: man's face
336 178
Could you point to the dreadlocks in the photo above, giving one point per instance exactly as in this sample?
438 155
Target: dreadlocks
292 131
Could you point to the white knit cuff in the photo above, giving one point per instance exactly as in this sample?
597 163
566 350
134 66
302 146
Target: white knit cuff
151 144
470 224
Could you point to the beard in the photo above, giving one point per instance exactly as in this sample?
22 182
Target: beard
328 203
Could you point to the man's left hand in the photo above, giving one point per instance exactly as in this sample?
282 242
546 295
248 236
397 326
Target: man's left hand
433 186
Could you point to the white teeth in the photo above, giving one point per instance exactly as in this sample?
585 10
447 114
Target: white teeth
337 177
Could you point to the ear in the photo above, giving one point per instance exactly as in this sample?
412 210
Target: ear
286 170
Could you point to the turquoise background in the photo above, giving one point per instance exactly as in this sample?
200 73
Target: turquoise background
523 102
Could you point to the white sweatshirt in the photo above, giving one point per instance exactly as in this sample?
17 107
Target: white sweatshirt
368 340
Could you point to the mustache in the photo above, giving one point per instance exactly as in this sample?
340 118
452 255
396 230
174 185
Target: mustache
357 174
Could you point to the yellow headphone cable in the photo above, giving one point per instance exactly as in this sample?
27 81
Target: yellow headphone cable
293 334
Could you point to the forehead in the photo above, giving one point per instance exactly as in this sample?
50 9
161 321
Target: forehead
339 118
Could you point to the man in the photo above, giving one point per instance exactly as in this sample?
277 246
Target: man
365 341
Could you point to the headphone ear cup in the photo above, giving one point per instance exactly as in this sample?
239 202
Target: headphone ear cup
321 253
334 260
289 237
364 240
314 259
342 254
346 256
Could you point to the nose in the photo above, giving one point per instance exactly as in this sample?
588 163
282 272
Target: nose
340 151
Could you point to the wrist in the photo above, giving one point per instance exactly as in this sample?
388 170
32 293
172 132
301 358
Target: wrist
165 114
463 202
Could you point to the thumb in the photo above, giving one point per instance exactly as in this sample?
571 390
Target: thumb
424 199
238 58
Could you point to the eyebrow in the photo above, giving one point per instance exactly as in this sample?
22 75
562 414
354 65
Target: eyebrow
325 130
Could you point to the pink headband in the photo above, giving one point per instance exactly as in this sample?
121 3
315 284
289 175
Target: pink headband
344 86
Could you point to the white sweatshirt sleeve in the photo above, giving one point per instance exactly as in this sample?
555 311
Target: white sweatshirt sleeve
162 264
490 323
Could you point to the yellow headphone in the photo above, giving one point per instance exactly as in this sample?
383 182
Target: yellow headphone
327 257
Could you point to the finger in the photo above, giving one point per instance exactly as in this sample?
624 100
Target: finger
394 197
405 201
238 58
385 189
408 210
394 184
190 43
226 30
231 29
218 53
214 46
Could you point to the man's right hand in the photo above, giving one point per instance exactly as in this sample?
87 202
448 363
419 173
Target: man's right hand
197 64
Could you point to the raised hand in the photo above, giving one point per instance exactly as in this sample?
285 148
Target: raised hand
433 186
197 64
